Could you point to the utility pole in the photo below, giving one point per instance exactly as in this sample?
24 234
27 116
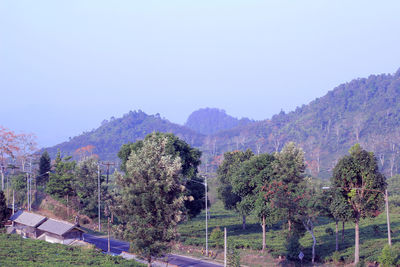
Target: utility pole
108 229
98 192
388 217
225 248
205 185
108 164
27 191
12 167
13 205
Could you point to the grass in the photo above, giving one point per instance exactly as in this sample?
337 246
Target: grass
16 251
373 235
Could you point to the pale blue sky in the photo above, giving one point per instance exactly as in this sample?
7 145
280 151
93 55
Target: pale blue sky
67 65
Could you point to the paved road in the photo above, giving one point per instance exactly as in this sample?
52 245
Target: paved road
188 262
117 247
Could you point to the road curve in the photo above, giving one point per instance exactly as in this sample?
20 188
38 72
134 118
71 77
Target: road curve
118 246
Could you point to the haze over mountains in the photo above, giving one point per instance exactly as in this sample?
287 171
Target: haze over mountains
365 111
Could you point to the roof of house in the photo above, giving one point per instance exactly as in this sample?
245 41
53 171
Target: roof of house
27 218
57 227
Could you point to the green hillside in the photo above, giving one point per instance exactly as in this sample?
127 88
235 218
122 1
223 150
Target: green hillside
365 111
133 126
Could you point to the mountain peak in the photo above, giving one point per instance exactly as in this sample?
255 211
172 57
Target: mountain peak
212 120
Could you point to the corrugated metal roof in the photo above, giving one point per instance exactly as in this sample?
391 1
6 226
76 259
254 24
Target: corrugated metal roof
27 218
56 227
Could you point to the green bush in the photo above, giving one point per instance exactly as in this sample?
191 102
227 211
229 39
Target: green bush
217 236
233 258
361 263
388 257
292 248
329 231
336 257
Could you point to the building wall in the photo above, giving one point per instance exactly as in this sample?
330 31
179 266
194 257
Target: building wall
25 230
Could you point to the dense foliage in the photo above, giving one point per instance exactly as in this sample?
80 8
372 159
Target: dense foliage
44 168
3 209
190 161
231 163
357 179
151 198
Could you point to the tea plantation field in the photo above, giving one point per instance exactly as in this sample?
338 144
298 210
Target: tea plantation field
16 251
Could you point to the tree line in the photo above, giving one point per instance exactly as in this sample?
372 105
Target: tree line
275 188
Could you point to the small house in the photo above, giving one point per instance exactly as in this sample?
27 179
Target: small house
62 232
24 223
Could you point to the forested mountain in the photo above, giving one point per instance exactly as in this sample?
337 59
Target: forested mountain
106 140
365 111
212 120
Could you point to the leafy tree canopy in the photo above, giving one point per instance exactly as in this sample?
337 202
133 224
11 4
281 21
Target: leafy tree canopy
44 167
190 160
152 195
225 172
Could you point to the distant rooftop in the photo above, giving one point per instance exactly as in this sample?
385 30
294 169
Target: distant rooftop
56 227
27 218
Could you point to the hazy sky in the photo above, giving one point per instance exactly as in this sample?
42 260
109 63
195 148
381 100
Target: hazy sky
67 65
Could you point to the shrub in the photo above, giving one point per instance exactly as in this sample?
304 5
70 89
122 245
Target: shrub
217 236
361 263
377 229
336 257
329 231
388 257
233 258
292 247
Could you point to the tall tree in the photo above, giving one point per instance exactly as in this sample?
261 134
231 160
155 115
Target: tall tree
310 208
190 159
229 166
152 195
44 168
289 170
8 147
357 179
340 210
248 182
61 180
3 209
85 185
27 147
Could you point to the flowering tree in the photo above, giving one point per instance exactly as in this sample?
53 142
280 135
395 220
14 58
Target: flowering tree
8 147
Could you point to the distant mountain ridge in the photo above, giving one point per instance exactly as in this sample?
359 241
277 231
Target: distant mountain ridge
209 121
365 111
133 126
